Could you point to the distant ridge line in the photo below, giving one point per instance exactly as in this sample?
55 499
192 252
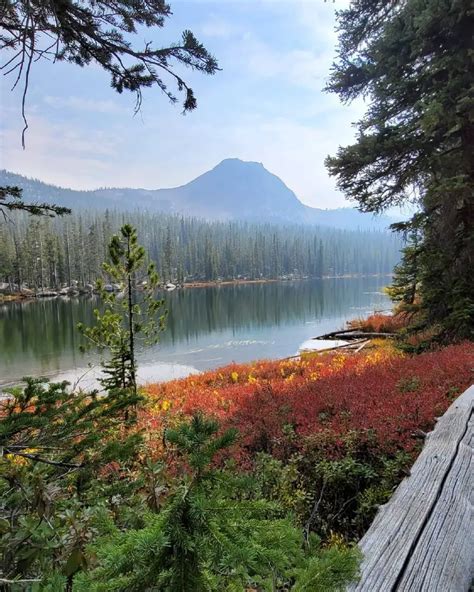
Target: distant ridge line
232 190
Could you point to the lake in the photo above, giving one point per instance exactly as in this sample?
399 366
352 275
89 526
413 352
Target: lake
207 327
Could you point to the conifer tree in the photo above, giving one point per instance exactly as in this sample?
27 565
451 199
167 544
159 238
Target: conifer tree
11 199
412 61
213 535
407 274
125 320
104 33
53 442
200 250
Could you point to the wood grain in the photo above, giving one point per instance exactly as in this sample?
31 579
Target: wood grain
422 540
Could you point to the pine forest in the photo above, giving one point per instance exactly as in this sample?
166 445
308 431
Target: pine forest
45 253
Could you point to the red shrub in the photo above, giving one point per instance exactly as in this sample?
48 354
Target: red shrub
382 323
335 403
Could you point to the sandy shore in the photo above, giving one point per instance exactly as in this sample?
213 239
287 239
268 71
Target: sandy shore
14 297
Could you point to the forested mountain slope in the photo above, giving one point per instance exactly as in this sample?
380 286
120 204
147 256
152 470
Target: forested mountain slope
233 190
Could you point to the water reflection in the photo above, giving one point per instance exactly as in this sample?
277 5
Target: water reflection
206 326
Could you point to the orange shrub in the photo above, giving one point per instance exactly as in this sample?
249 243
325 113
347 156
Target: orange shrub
373 401
382 323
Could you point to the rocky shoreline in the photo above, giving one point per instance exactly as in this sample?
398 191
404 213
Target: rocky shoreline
14 294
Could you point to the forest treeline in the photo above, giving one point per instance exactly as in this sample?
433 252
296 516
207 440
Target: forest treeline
45 252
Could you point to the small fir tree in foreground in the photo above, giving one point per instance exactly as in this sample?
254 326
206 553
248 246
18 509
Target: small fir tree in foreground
125 320
213 534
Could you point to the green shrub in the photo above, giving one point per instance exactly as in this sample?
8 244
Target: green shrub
213 534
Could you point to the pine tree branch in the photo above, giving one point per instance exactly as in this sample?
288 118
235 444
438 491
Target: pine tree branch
37 458
24 581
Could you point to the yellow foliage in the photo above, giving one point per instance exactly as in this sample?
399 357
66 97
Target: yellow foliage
338 361
336 540
20 461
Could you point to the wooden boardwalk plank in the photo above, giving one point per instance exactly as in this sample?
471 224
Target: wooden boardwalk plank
444 556
430 504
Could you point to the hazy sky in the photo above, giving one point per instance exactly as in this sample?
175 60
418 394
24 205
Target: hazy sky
266 105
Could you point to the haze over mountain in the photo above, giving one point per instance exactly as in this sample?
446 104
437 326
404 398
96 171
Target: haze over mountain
233 190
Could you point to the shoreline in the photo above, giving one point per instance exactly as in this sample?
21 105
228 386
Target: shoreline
22 297
348 340
215 283
4 298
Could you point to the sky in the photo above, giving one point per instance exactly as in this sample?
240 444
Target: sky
266 104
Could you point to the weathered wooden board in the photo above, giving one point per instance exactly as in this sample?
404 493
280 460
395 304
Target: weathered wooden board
422 540
444 555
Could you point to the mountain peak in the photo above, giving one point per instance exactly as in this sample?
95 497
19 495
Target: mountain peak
234 189
238 163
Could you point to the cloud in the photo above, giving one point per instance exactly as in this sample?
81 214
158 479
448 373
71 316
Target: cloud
83 104
306 61
137 152
316 38
304 68
218 27
61 154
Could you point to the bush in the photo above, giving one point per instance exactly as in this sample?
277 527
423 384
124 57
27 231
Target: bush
214 534
339 424
57 446
382 323
338 403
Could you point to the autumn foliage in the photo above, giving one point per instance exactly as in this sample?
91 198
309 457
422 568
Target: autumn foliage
382 323
333 404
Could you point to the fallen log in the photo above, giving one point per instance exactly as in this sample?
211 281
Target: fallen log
350 346
362 346
351 334
334 333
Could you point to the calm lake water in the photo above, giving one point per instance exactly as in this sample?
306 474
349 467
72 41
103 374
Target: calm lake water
207 327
